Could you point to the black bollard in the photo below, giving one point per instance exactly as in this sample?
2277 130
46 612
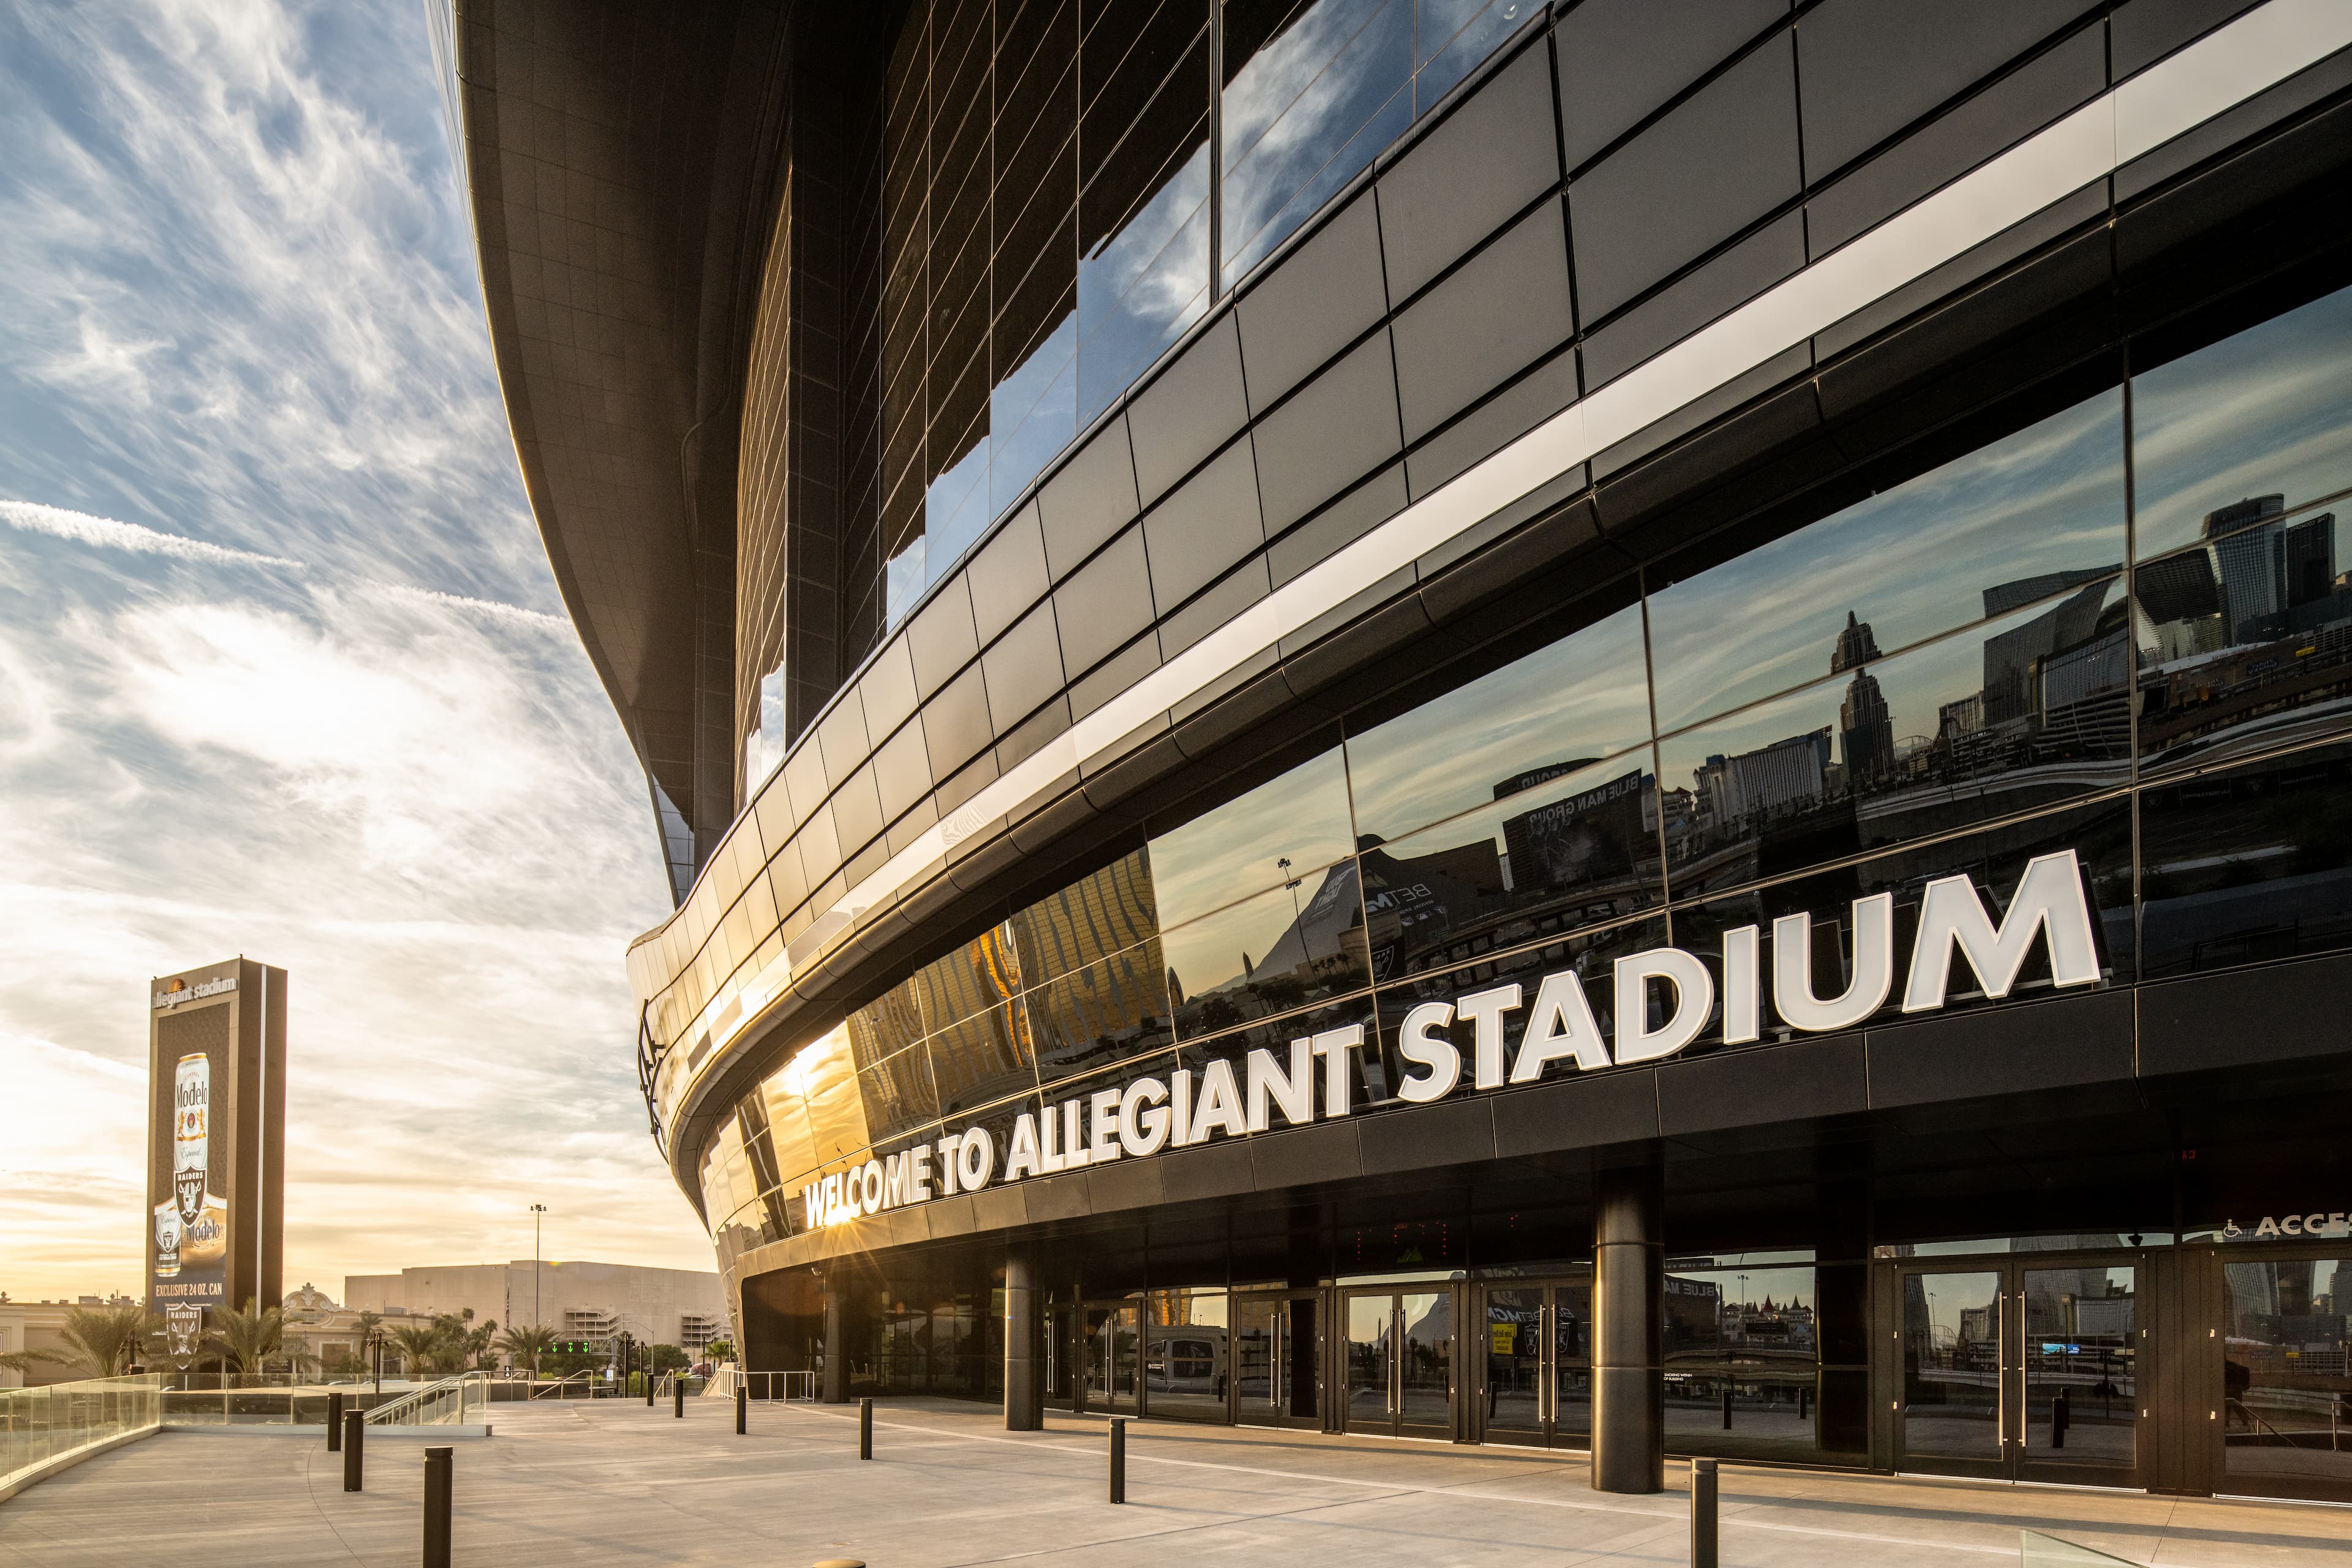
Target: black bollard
866 1428
1727 1410
1119 1458
1702 1495
678 1396
354 1447
742 1407
334 1421
649 1388
2060 1418
436 1507
1804 1402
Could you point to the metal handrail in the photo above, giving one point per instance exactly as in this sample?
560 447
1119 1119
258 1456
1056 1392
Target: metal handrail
539 1387
468 1387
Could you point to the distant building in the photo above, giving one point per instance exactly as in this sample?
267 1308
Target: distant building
679 1307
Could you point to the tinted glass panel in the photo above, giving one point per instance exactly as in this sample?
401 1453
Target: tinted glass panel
1951 1365
2267 412
2026 710
1186 1358
2248 865
2081 1404
1105 1013
1273 953
2245 641
2284 1376
1277 833
2022 519
1086 921
1582 698
1741 1362
982 1058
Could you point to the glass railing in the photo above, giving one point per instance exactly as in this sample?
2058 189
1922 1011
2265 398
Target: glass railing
38 1424
442 1403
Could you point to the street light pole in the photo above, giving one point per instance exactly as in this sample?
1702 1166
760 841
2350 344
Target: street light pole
536 1321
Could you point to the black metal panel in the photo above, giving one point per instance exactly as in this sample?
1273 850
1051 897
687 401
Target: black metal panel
1505 307
1340 426
2021 1050
1090 498
1490 157
1826 1076
1320 297
1190 411
1621 60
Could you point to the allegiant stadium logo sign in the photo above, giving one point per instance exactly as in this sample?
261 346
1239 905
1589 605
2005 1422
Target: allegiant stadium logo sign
1151 1115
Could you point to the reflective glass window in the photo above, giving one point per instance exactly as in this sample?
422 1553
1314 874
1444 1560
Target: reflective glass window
1741 1362
886 1025
788 1124
982 974
2245 640
2025 711
2284 1376
836 1111
983 1058
2027 519
1104 1013
1143 204
1555 711
898 1093
1576 850
1278 951
2265 415
1110 910
1186 1357
1314 88
1278 833
2250 864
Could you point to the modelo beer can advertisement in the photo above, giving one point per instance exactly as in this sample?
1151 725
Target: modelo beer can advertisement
189 1237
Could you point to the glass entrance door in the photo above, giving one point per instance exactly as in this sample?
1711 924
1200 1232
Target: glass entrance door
1110 1347
1537 1388
1278 1360
1400 1363
2023 1370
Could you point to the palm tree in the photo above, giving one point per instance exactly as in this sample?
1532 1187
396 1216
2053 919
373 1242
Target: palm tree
102 1341
249 1340
369 1322
25 1360
420 1347
527 1343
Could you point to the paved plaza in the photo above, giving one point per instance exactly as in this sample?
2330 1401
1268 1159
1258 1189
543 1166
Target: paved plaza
585 1485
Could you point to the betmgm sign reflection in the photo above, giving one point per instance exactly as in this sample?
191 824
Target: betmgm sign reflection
1152 1115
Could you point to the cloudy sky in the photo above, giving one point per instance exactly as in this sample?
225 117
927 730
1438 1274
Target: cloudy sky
282 669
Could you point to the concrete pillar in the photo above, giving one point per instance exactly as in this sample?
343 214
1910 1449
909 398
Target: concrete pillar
1628 1412
836 1349
1024 1366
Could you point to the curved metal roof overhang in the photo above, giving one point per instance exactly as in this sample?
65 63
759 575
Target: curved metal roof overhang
2007 326
620 170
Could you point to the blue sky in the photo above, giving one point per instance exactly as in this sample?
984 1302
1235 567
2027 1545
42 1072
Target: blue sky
282 669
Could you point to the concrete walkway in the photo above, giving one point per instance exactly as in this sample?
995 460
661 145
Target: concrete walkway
584 1485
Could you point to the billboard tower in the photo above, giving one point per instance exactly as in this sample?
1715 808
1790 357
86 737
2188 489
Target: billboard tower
216 1143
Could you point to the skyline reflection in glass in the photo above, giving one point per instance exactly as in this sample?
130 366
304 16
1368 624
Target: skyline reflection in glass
2033 514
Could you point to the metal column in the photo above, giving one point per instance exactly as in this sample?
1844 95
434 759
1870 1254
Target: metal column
1629 1415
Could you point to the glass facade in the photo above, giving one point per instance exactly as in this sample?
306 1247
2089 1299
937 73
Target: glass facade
1068 187
1951 677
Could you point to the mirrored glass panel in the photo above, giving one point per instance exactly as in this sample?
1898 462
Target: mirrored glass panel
2264 414
1278 951
2248 865
2082 1397
1187 1365
2025 520
1575 850
898 1093
2021 712
982 974
885 1026
1289 828
2245 640
1087 921
982 1058
2289 1399
1105 1013
1952 1366
1561 710
1741 1361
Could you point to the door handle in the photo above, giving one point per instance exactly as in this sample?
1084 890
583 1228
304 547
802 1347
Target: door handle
2000 1344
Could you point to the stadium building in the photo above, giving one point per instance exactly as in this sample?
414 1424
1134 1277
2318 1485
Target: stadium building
1510 723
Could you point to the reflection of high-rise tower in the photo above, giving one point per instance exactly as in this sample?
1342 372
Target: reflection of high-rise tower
2250 556
1865 728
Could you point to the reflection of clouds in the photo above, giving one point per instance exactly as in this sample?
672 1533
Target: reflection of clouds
2267 411
1584 696
1299 100
1912 562
1234 851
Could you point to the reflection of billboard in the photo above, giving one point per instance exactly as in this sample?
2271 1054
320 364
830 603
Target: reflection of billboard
216 1052
1587 837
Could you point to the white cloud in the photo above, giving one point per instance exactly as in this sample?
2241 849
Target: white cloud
280 670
